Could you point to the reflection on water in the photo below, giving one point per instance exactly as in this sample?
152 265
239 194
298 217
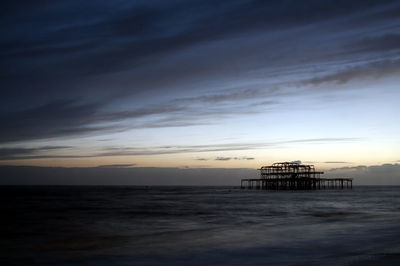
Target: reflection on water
198 225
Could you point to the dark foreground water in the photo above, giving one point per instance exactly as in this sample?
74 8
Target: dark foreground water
198 226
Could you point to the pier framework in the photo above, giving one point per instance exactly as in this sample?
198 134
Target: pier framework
293 176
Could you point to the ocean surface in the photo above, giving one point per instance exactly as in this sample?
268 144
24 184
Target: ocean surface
128 225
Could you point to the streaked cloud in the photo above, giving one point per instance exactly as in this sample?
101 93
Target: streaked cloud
380 43
37 153
116 165
233 158
11 153
339 162
373 70
99 79
64 57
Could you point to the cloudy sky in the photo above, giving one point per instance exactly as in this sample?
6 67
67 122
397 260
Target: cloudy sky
199 84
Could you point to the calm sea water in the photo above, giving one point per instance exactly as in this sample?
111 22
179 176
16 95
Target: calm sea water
127 225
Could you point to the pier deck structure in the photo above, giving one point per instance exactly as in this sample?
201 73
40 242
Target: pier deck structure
293 176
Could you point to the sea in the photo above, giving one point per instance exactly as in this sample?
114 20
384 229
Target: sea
174 225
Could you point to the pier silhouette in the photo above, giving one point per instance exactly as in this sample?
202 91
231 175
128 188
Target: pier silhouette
293 176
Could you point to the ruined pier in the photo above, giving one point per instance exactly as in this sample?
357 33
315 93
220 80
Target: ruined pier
293 176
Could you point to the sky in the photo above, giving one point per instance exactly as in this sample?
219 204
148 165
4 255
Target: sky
200 85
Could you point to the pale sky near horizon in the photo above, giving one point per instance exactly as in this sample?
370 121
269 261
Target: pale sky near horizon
200 84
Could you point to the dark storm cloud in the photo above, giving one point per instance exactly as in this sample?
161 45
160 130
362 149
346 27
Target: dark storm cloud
96 52
153 27
99 37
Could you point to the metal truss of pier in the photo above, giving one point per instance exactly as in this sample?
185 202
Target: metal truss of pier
294 176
